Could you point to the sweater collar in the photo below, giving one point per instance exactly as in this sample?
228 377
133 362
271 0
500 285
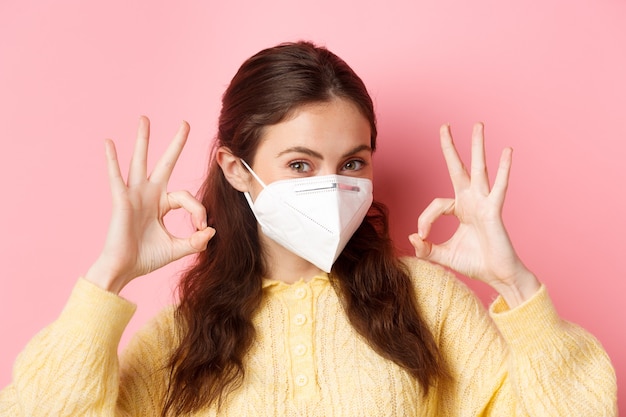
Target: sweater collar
276 285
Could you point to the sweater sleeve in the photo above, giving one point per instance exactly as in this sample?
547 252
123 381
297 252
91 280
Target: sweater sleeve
524 361
71 367
555 367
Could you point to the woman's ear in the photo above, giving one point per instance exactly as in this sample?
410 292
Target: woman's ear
235 173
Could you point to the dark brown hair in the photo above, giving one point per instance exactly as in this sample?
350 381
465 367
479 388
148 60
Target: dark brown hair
221 291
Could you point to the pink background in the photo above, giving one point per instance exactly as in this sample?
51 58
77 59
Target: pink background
547 77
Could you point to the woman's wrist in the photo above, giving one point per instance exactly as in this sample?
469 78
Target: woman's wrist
522 287
105 277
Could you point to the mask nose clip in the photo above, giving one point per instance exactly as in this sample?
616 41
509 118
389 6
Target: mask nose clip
334 185
347 187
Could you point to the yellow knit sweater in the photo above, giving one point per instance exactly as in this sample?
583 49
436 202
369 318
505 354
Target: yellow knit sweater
308 361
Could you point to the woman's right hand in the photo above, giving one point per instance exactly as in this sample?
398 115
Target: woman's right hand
137 241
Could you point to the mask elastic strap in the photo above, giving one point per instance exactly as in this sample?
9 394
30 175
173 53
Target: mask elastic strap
256 177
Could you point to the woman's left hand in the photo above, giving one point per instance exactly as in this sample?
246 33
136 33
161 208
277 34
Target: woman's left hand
480 248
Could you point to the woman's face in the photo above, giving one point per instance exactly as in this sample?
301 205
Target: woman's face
319 139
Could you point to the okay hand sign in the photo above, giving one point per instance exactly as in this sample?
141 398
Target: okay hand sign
137 241
480 248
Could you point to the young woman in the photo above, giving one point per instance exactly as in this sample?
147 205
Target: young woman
296 304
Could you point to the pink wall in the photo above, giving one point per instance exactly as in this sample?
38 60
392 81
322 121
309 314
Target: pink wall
547 77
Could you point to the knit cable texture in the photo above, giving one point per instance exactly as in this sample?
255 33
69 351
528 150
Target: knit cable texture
307 360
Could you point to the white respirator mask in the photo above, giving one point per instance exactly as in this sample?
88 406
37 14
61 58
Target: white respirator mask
313 217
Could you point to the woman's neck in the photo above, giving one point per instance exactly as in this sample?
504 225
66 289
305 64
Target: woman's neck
284 265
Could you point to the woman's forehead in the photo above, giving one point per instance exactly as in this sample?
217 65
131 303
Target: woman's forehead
338 123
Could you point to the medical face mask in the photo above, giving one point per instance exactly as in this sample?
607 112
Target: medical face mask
313 217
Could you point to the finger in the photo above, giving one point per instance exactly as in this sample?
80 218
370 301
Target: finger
456 169
195 243
116 182
184 199
437 208
423 248
139 161
501 182
199 240
479 177
164 167
428 251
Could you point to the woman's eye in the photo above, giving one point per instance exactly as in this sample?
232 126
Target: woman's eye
353 165
300 166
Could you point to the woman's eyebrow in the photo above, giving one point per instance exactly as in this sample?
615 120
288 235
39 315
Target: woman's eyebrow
302 149
311 152
357 150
